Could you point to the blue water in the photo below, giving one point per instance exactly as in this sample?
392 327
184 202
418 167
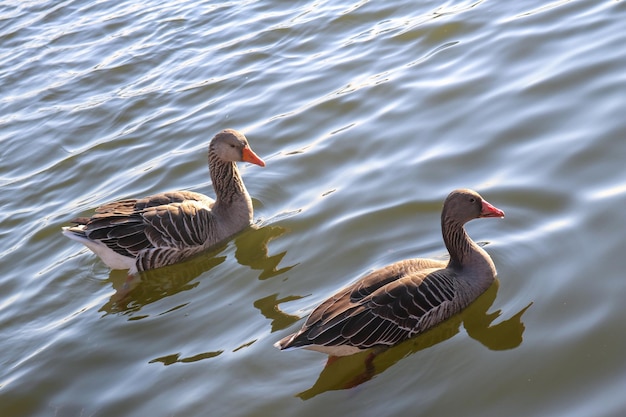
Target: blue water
368 114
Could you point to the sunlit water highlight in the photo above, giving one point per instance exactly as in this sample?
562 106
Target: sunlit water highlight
367 114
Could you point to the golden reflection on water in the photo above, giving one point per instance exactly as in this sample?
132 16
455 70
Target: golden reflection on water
269 308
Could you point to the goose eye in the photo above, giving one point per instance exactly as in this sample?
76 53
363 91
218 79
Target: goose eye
472 200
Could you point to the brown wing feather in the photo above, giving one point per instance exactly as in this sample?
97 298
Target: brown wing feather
383 308
169 225
131 226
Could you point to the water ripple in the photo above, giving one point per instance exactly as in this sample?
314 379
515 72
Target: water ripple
368 114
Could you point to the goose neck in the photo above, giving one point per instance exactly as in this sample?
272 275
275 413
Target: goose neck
226 181
457 241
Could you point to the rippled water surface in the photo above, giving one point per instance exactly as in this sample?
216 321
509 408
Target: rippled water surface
367 114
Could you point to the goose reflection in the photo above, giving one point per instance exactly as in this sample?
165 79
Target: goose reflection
132 293
350 371
269 308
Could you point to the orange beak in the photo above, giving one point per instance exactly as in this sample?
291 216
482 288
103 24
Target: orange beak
490 211
247 155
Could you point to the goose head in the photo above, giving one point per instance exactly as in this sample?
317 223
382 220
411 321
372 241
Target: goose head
232 146
463 205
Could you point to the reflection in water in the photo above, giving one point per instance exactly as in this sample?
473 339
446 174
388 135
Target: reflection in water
135 292
350 371
252 251
175 358
269 308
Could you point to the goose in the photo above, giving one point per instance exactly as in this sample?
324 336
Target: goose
406 298
162 229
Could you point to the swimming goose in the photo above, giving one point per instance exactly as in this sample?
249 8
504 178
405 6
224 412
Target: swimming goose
408 297
166 228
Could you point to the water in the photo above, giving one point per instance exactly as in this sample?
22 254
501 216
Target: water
367 114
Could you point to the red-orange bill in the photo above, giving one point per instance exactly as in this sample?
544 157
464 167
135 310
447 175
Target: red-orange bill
250 156
490 211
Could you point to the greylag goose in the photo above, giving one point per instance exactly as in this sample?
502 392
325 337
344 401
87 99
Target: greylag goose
408 297
166 228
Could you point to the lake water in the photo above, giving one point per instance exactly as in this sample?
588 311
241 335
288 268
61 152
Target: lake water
368 113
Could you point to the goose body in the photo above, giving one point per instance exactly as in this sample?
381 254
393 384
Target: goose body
408 297
165 228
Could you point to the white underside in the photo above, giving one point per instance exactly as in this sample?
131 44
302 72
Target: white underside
342 350
111 258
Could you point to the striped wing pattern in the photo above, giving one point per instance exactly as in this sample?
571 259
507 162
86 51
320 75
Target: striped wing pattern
157 226
384 308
